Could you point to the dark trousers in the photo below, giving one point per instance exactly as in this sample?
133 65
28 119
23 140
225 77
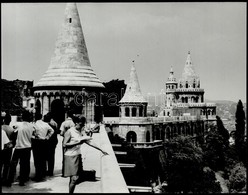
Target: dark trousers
39 153
5 163
22 155
50 159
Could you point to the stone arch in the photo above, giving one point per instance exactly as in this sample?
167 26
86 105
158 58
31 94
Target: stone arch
182 99
131 136
58 111
186 84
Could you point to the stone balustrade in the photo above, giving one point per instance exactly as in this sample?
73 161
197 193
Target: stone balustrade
156 143
112 180
189 90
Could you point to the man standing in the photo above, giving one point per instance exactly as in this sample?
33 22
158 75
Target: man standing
51 144
22 150
7 153
43 133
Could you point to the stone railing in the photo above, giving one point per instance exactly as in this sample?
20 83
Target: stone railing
156 143
112 180
189 90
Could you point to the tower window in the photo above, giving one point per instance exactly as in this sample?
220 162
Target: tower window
70 20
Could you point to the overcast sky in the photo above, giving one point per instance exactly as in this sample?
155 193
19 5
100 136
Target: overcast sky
115 33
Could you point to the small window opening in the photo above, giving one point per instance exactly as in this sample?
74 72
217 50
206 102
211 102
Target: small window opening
70 20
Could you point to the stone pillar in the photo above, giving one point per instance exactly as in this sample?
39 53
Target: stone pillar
41 104
137 111
51 101
130 111
45 107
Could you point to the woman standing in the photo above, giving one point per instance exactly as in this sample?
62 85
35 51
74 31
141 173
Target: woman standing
73 139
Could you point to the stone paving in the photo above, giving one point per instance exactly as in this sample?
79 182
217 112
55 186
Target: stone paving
58 184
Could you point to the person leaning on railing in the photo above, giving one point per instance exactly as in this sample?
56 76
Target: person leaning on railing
73 139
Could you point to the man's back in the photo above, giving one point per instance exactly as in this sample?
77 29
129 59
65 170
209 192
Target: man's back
24 134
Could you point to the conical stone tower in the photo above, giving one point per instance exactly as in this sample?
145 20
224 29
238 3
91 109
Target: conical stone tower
134 126
70 79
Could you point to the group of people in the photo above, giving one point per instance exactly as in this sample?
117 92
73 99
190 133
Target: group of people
41 137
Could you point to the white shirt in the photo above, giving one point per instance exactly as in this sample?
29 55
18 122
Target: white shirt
75 136
5 139
43 130
67 124
24 133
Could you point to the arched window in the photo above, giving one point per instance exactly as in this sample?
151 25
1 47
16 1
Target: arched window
186 85
134 111
126 111
131 136
186 99
182 99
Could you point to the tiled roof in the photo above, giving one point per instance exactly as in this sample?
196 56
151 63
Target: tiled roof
133 93
70 64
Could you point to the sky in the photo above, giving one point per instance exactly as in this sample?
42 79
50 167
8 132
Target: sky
155 35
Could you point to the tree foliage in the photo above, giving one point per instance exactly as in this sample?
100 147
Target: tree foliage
222 131
214 149
237 179
114 91
240 145
184 168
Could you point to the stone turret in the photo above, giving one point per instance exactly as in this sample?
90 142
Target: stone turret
189 78
70 82
70 64
171 86
133 103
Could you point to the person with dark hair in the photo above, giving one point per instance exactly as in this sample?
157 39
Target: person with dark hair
67 124
73 139
22 150
43 133
51 144
7 152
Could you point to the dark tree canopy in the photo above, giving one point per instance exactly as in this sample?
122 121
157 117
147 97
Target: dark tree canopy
222 130
240 124
114 91
185 168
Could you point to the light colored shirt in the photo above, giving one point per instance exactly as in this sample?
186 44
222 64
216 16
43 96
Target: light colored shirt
24 133
67 124
43 130
8 130
5 139
72 135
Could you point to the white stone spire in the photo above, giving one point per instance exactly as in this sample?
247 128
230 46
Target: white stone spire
70 64
133 92
189 70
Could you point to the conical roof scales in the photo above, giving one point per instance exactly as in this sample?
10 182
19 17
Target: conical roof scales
70 64
189 70
133 93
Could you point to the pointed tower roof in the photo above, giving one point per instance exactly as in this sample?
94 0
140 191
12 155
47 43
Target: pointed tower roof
133 93
171 78
189 70
70 64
